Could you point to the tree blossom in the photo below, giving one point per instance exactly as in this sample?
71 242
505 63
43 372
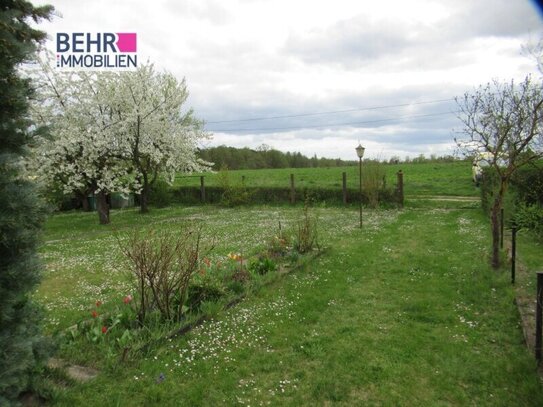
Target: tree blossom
154 132
114 132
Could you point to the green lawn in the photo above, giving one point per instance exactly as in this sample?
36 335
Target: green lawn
419 179
405 311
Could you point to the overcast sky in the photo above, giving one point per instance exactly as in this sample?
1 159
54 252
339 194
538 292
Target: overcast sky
323 74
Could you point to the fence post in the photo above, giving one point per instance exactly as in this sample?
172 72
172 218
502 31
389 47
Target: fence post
202 190
501 228
400 188
344 188
243 180
538 319
292 190
513 252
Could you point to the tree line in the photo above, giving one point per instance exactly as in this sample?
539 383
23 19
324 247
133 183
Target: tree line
266 157
263 157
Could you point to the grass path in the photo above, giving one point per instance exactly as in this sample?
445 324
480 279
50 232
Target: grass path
406 314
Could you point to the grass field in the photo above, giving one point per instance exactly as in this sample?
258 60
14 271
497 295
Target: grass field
419 179
405 311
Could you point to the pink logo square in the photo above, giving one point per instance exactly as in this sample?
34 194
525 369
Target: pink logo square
127 42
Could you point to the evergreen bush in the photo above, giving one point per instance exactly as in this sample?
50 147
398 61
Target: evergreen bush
22 347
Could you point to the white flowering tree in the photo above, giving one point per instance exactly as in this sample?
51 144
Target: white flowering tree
152 129
114 132
84 155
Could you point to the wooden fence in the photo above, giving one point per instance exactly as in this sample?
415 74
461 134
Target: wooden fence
289 193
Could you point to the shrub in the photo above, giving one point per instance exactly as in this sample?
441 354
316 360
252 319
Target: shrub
232 195
161 194
236 275
522 203
200 293
528 184
237 284
373 182
263 265
55 197
217 280
162 265
243 195
529 217
306 232
278 246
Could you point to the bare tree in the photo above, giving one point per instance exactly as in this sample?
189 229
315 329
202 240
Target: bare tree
503 122
534 50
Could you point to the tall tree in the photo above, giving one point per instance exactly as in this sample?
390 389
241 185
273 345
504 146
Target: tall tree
21 213
85 154
504 123
153 132
115 132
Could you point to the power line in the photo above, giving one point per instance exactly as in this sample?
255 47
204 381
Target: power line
336 124
332 111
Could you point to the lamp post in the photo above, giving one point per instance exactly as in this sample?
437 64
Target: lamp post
360 154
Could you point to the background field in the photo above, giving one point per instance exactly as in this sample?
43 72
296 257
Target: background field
420 179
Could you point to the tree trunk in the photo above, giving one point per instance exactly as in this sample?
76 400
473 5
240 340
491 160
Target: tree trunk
85 204
495 221
144 198
82 201
495 226
102 207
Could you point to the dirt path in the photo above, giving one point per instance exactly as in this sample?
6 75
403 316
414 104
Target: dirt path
443 198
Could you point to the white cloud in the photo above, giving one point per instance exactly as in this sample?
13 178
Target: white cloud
246 59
